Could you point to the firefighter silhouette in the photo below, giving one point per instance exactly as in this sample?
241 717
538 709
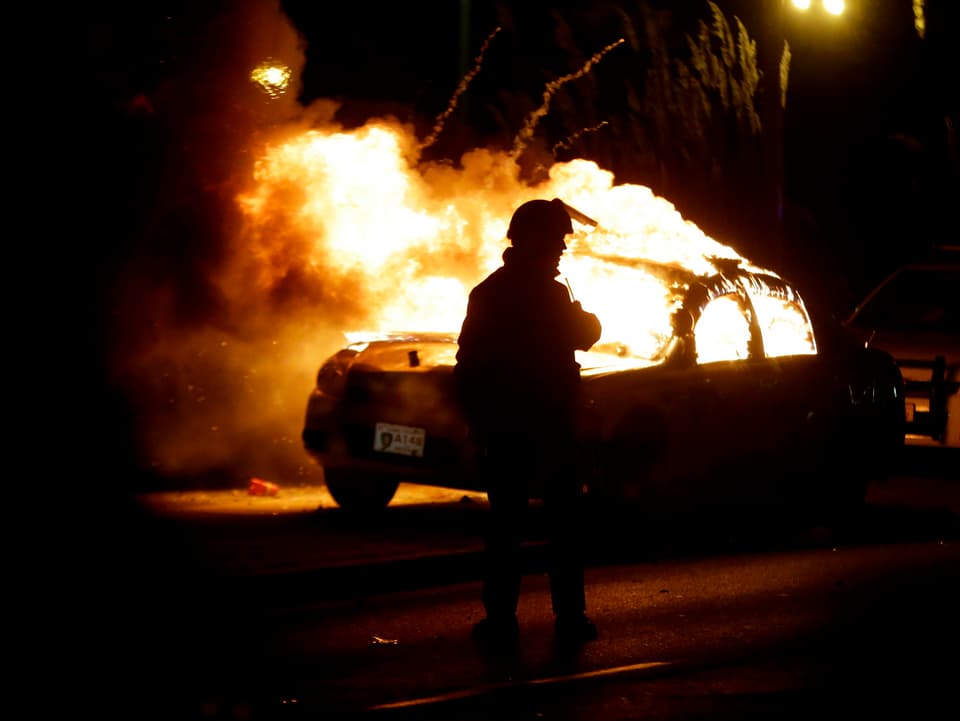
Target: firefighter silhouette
518 381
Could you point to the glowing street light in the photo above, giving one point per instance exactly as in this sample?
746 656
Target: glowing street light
833 7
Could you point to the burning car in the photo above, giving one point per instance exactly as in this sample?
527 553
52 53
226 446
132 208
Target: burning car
727 393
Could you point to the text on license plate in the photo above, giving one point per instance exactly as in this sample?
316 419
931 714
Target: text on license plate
405 440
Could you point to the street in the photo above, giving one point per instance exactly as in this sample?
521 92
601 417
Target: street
851 632
211 613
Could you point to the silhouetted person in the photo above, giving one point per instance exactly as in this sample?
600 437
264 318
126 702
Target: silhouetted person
519 382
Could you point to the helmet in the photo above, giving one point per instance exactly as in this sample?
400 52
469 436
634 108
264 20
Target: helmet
539 219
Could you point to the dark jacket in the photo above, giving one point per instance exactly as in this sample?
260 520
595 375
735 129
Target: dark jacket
516 368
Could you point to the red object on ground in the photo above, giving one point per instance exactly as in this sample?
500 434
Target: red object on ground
259 487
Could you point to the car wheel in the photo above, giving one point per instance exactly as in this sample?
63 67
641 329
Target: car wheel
359 491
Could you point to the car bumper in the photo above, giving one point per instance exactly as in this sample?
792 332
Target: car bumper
332 450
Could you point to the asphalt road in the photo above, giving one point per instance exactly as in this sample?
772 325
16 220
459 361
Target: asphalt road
255 601
298 538
140 587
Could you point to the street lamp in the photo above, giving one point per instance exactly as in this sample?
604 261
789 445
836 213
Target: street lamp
833 7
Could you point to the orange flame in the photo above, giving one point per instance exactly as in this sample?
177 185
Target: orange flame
412 238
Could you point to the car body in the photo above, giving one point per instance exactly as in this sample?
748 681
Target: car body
914 314
681 429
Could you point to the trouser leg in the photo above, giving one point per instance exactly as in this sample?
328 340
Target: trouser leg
566 565
502 561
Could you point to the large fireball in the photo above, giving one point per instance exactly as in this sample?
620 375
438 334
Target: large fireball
406 240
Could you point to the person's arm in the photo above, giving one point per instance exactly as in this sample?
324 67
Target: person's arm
586 326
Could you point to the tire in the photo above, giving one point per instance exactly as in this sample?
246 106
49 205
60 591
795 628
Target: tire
359 492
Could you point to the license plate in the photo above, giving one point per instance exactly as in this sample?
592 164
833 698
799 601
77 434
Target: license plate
910 408
403 440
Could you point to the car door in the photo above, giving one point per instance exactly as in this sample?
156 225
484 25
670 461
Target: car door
752 404
683 437
729 409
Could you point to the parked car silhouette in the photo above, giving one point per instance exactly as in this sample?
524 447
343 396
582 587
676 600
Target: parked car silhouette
914 314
